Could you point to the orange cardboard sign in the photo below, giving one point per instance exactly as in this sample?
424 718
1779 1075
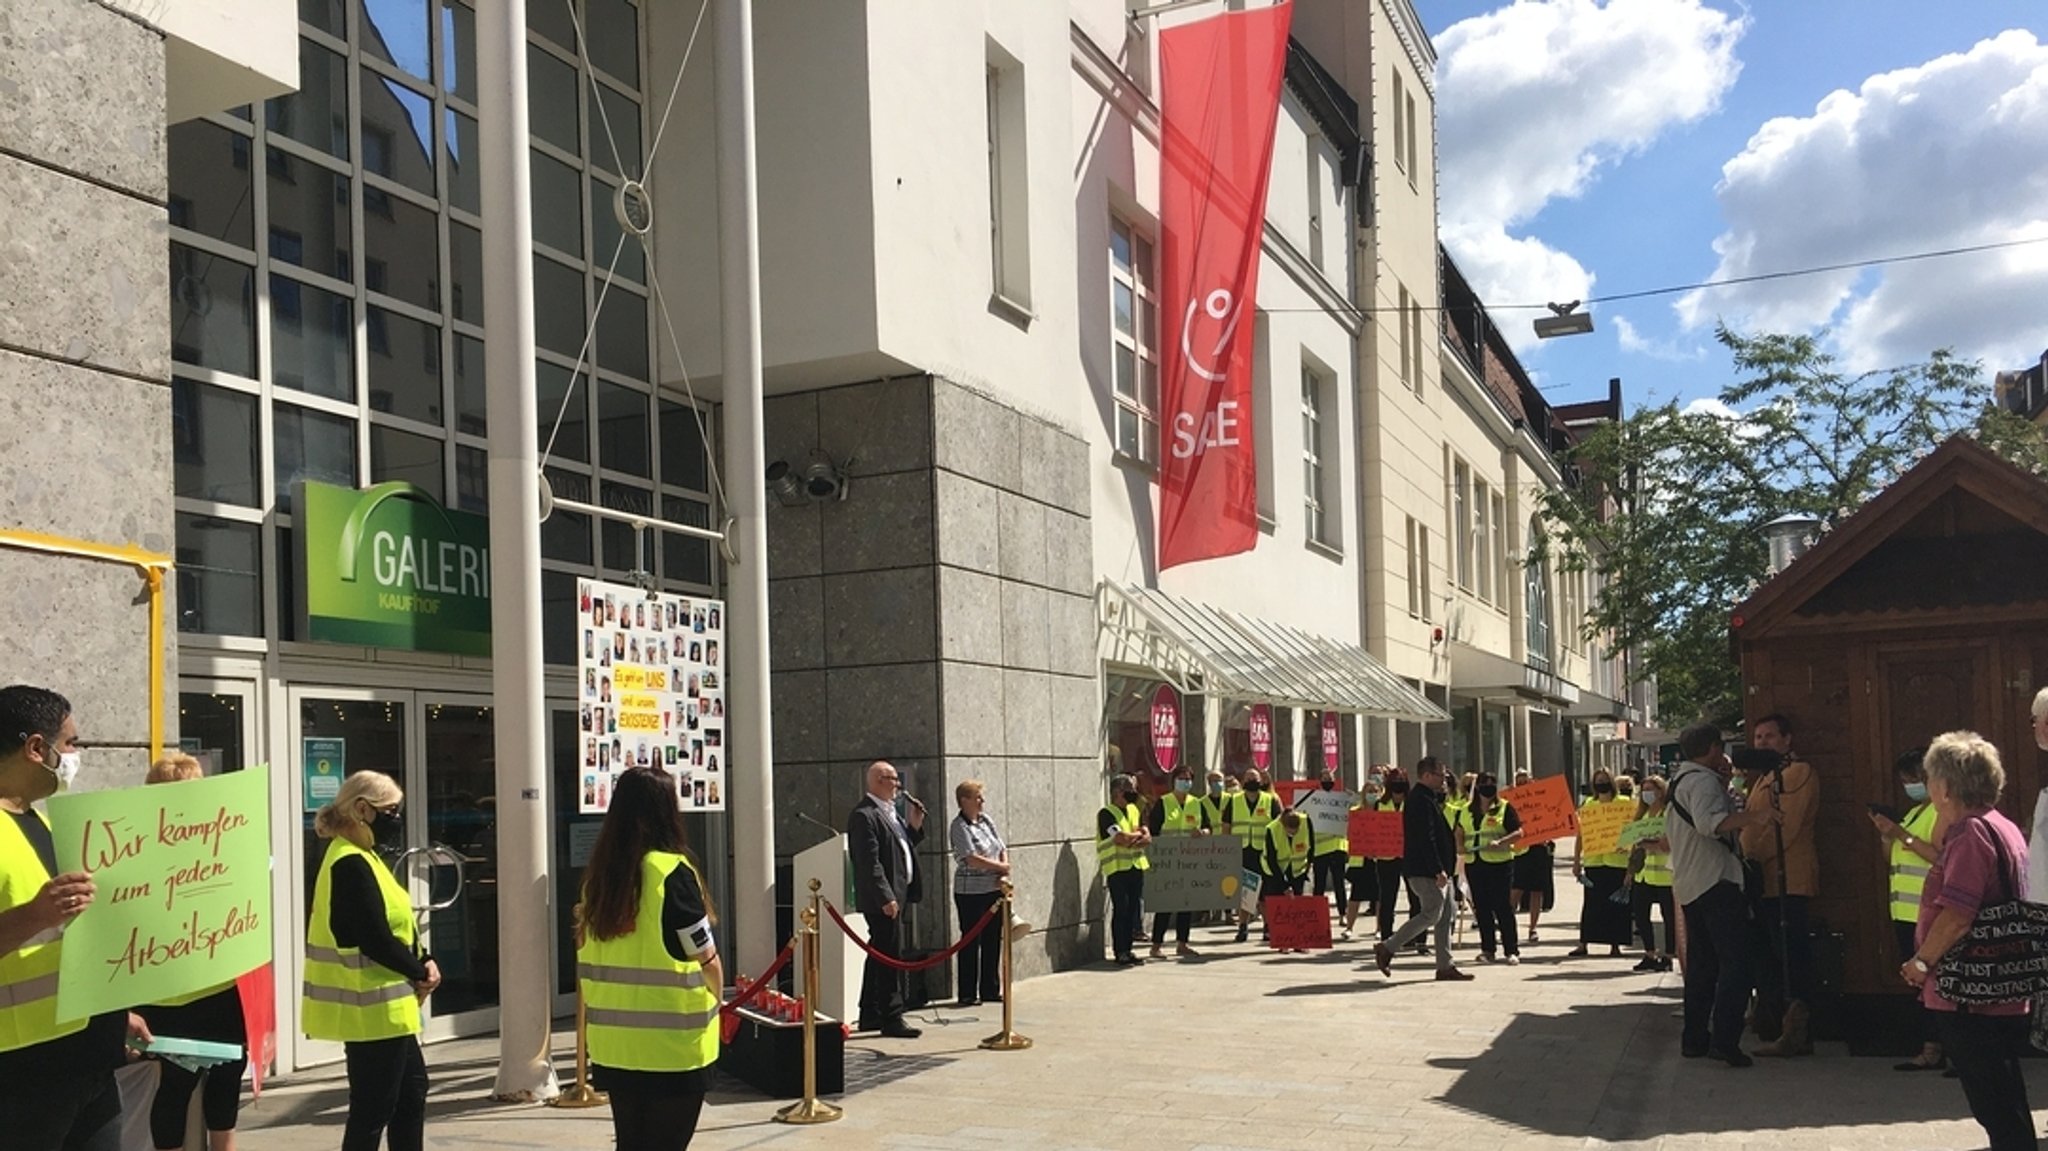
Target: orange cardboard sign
1545 809
1376 834
1298 921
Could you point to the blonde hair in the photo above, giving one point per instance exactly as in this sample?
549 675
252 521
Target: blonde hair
1652 783
2041 703
1967 764
335 819
965 788
174 767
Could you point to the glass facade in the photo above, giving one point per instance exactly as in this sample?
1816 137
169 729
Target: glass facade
327 312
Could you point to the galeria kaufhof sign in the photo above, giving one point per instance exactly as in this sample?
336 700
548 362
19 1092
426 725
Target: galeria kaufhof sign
388 566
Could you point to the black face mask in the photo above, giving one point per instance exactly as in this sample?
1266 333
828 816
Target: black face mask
1397 789
1329 785
1253 788
1488 792
1603 789
1130 797
387 829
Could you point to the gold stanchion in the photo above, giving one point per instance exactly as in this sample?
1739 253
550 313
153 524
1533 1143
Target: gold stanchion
582 1094
1007 1039
810 1109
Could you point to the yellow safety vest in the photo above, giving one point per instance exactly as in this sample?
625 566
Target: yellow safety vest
1656 870
1479 837
1214 801
1248 821
1289 851
1909 871
347 996
1114 859
1452 807
1181 814
28 974
1605 859
644 1009
1339 844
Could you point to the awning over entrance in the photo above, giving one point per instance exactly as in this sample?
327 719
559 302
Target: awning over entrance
1484 675
1204 649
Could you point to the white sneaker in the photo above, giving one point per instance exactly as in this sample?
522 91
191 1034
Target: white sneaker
1345 934
1514 961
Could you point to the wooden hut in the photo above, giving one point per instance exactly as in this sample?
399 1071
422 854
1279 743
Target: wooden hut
1926 611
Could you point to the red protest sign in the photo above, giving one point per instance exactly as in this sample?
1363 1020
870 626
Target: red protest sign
1375 834
1261 724
1545 808
1290 790
1298 921
1165 728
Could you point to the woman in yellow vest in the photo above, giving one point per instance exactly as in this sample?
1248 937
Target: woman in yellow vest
1247 815
1358 874
214 1015
365 973
648 967
1908 855
1652 886
1534 887
1178 812
1284 864
1601 918
1488 830
1120 842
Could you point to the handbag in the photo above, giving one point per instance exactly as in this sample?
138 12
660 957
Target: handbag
2004 958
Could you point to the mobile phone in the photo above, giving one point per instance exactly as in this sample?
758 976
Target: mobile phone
1888 812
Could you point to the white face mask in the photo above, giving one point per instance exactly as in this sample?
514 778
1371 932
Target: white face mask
66 770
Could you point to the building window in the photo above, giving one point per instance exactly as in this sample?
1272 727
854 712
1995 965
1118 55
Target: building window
1418 570
1409 110
1134 328
1400 131
1536 592
1482 540
1318 455
1314 149
1414 336
1008 204
1500 548
1461 524
1401 323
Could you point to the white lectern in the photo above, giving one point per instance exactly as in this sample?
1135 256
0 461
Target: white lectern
839 961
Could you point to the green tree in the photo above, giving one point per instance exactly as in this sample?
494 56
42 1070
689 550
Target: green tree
1671 500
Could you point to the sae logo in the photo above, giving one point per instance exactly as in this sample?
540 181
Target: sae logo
390 567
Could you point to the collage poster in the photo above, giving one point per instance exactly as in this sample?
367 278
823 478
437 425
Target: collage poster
651 692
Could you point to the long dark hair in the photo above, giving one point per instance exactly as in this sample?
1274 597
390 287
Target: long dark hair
644 816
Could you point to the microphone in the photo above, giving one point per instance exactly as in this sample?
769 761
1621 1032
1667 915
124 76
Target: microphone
818 822
913 801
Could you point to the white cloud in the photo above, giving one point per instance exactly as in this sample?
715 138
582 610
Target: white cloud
1535 99
1632 340
1948 154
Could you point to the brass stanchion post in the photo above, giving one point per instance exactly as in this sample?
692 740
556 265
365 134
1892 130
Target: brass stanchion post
1007 1039
810 1109
582 1094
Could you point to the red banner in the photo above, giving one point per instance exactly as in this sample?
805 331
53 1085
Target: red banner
1261 726
259 1023
1165 728
1219 99
1333 740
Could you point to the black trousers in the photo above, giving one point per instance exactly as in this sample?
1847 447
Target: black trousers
1493 907
881 986
1716 970
1126 909
1985 1051
1642 898
220 1103
654 1119
1329 872
1386 874
980 962
1791 952
1924 1029
1181 922
387 1094
62 1113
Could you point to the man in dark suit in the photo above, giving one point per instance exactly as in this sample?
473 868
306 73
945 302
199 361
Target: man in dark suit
885 881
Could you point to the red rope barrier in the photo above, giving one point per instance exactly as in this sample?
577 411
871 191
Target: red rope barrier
739 1000
922 964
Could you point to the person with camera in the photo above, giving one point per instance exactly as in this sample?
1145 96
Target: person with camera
1908 843
1790 861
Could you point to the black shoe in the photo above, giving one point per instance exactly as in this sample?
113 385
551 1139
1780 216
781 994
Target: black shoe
1578 952
1649 963
1242 933
1733 1057
897 1029
1685 1052
867 1025
967 1001
997 999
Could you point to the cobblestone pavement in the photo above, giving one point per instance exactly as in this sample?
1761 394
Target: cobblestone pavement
1244 1049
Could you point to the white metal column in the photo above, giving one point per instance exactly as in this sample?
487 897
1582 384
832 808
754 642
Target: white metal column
525 1069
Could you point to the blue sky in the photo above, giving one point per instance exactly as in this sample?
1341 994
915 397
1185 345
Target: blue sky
1586 140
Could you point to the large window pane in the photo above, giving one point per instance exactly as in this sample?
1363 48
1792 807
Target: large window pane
395 31
458 49
551 103
220 576
417 460
605 233
620 548
565 536
557 307
622 333
614 28
682 447
309 224
466 270
214 443
552 21
558 625
468 370
622 429
398 133
686 558
286 558
317 114
613 111
557 205
463 189
552 385
405 366
325 15
472 480
311 446
312 339
402 253
213 312
210 182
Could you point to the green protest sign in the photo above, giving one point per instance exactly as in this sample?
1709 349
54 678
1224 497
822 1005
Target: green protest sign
183 872
390 567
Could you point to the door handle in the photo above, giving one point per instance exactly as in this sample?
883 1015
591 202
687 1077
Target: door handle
437 855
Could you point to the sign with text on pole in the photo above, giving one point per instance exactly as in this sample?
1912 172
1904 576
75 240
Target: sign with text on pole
183 872
1219 101
1545 808
650 692
1333 740
1260 730
388 566
1165 722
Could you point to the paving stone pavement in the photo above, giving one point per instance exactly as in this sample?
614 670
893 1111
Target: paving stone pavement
1244 1050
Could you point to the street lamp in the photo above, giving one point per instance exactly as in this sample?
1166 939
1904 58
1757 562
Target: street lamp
1567 320
1789 536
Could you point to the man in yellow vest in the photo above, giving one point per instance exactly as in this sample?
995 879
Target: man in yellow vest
1246 816
1284 864
1332 852
1908 856
1178 812
56 1079
1120 843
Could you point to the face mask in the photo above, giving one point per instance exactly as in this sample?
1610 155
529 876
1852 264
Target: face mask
1183 786
1603 789
1252 788
1488 792
1398 789
1329 785
1130 797
1651 797
66 770
387 830
1917 792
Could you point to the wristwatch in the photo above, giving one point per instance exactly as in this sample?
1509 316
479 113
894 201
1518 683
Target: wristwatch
1919 964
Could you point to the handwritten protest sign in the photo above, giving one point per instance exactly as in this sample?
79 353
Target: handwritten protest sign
1545 809
1298 921
1193 873
1376 834
1329 812
1635 831
183 871
1600 826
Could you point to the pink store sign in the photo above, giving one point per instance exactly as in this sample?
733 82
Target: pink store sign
1333 740
1165 728
1262 735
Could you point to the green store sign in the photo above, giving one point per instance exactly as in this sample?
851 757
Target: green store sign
390 567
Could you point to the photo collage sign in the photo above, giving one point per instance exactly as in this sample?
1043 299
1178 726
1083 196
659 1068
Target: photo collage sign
651 692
